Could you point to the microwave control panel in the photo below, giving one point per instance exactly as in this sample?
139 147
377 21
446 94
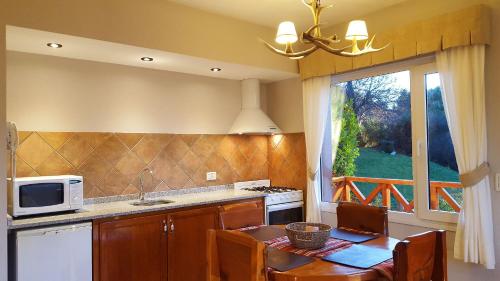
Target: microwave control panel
76 192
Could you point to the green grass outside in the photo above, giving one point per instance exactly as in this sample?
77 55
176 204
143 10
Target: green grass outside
377 164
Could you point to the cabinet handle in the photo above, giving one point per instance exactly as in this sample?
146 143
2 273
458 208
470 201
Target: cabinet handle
165 228
172 227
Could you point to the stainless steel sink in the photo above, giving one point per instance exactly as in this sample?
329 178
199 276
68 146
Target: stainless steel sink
151 202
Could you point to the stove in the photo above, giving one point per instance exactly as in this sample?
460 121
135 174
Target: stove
283 204
275 194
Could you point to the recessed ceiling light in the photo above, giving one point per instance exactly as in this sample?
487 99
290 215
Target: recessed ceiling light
54 45
147 59
215 69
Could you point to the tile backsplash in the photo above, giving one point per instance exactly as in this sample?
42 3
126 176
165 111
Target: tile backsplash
112 162
287 160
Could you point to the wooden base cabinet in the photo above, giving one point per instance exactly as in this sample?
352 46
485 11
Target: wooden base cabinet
187 243
131 249
163 247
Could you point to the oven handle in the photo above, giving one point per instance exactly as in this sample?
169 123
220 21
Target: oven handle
285 206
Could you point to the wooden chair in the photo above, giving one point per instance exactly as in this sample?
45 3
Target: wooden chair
362 218
421 257
239 215
235 256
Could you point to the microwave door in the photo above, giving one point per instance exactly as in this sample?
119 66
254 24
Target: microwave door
37 198
41 195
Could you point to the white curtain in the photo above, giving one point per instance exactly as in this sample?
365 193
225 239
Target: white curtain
462 78
337 110
317 94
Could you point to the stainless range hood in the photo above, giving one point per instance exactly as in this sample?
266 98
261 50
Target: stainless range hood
251 119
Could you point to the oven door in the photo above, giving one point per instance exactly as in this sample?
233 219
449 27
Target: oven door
40 197
285 213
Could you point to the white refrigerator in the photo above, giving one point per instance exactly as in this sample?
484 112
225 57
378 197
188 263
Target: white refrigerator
61 253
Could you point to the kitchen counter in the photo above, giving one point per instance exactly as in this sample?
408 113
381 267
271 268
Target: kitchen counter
120 208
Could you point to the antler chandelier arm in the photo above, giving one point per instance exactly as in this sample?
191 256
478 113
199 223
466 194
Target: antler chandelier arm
339 52
316 9
290 53
327 40
367 49
325 46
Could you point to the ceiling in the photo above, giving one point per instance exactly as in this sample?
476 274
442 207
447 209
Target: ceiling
272 12
35 42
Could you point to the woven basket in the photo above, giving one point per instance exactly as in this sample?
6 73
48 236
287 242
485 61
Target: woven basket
302 237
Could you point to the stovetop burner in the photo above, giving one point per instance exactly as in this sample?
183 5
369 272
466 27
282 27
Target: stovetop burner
270 189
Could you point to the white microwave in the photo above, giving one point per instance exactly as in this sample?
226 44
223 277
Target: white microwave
40 195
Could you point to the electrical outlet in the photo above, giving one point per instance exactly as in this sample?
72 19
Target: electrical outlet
497 182
211 176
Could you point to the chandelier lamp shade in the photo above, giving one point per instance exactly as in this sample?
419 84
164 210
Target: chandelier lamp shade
287 35
356 30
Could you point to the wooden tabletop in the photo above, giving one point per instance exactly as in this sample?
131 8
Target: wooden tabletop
326 271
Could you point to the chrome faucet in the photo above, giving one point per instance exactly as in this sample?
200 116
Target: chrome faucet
141 182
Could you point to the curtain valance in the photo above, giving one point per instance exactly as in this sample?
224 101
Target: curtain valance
466 27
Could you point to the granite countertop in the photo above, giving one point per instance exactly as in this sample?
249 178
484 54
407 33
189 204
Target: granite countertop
119 208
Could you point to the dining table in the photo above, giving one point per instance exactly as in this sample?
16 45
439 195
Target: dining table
321 270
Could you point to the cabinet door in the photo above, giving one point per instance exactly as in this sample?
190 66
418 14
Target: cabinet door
187 243
132 249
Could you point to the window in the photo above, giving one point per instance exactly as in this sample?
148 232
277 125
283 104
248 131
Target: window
395 147
441 159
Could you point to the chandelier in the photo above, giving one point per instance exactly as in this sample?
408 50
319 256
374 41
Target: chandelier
287 35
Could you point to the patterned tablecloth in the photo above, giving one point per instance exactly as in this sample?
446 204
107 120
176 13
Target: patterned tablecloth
385 269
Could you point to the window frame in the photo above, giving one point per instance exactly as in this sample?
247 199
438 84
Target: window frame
422 215
421 161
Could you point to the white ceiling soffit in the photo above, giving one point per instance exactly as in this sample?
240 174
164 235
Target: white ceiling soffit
35 41
272 12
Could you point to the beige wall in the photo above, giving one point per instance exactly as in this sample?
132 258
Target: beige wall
285 105
156 24
57 94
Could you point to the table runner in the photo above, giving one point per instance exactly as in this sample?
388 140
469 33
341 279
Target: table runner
386 269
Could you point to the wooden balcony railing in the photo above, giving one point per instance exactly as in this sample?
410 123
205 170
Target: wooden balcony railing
345 188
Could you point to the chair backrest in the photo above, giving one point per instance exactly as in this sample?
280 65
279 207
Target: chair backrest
362 218
421 257
240 215
235 256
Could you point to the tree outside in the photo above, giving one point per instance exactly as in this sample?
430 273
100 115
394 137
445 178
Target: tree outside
347 151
